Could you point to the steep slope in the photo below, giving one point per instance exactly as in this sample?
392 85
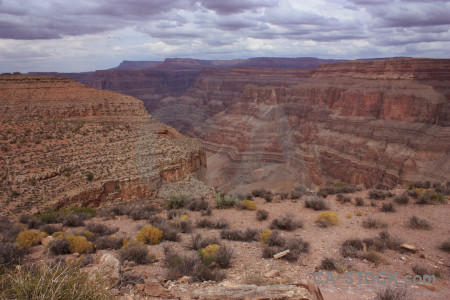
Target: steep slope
361 122
63 142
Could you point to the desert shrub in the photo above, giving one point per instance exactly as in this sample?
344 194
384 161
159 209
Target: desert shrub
51 281
99 229
176 201
135 253
359 201
189 265
263 193
208 254
382 242
322 193
371 223
11 254
222 223
79 244
418 223
10 231
224 201
403 199
265 236
351 248
262 214
239 235
29 238
349 215
382 186
247 204
197 205
420 270
327 219
359 213
224 255
445 246
198 242
422 184
286 222
170 233
108 242
316 203
392 293
85 212
298 192
373 256
71 220
142 212
388 207
51 228
118 210
174 214
205 223
31 222
331 264
149 235
182 224
59 246
377 194
431 197
277 244
343 199
48 217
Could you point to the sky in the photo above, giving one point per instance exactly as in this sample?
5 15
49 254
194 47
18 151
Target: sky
88 35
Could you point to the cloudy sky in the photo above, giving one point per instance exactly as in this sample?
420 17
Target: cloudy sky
85 35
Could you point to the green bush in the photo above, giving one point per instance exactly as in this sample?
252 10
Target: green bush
176 201
225 201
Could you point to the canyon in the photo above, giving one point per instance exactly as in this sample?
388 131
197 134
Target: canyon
362 122
64 143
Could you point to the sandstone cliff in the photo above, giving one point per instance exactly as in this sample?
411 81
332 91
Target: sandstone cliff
63 142
363 122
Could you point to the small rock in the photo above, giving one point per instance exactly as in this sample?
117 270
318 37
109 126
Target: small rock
47 240
281 254
154 289
402 258
409 248
140 287
184 279
272 274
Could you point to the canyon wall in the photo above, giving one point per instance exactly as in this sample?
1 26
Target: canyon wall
65 143
362 122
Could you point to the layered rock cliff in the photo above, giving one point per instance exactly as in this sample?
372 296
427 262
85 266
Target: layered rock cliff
63 142
362 122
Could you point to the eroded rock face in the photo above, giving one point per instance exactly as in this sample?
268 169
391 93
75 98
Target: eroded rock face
65 143
362 122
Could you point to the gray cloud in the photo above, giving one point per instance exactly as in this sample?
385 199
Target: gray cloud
154 29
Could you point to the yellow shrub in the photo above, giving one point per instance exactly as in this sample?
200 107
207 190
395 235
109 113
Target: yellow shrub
79 244
249 205
329 217
208 254
265 236
87 234
420 191
349 215
58 235
184 217
29 238
150 235
359 213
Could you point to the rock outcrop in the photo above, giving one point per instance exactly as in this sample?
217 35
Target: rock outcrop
65 143
362 122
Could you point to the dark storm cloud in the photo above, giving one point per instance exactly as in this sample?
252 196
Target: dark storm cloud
53 19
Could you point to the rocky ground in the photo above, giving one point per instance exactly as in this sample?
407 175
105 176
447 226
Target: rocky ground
249 270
